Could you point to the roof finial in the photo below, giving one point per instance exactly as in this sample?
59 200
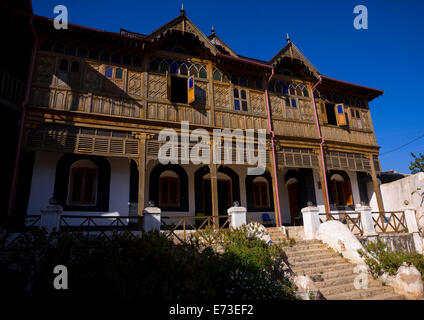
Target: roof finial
182 11
288 38
213 30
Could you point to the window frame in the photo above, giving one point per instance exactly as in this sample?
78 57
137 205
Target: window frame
85 171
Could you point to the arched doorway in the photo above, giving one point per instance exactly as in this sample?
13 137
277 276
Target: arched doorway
341 190
228 188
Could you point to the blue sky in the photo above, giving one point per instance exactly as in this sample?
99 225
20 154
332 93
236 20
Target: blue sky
387 56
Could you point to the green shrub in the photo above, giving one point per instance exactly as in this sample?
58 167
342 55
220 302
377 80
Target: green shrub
381 259
151 267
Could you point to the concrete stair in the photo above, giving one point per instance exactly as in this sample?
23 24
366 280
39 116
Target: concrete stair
332 273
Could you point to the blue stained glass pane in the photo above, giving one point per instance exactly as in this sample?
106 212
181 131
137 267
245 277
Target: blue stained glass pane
236 93
118 73
108 72
190 83
285 89
236 104
174 68
293 102
243 94
339 109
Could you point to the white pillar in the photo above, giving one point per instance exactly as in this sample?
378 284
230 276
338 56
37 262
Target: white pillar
367 221
311 222
151 219
50 216
411 224
237 216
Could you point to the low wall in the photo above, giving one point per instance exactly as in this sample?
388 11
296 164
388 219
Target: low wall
395 241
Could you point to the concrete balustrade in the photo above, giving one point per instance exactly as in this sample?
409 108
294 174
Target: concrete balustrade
367 222
151 219
50 216
411 224
311 222
238 216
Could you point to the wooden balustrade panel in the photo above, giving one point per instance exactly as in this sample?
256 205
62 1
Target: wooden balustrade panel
295 129
343 135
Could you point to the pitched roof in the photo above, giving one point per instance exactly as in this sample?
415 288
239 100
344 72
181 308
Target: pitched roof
290 51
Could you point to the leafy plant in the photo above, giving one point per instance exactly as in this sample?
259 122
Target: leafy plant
380 258
417 165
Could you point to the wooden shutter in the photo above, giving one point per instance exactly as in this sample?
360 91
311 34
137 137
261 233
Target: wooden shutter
324 113
190 90
340 115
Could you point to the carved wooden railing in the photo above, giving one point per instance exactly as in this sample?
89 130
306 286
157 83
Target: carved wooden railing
11 88
389 221
351 219
95 227
179 227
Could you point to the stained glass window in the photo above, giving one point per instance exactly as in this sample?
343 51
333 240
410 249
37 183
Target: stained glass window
118 73
293 103
305 92
217 75
285 89
184 70
203 74
299 91
193 71
174 68
108 72
292 90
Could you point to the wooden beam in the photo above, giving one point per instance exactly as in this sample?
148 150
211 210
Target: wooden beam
274 188
141 173
323 171
375 185
214 194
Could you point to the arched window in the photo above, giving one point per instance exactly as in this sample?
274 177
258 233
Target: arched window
108 72
299 91
183 70
341 190
82 52
305 92
174 68
243 81
118 73
75 66
202 73
217 75
234 79
260 193
293 103
94 54
292 90
285 89
168 189
64 65
105 56
70 50
116 58
82 183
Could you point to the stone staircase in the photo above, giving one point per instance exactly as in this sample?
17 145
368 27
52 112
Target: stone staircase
332 273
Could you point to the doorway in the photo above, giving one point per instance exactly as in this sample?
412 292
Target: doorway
224 197
293 191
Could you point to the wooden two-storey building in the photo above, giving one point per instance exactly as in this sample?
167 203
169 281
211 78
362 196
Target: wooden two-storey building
99 100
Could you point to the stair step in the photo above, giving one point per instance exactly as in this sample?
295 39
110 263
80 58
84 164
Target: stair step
294 253
346 287
342 279
317 263
361 293
313 258
387 296
312 271
305 247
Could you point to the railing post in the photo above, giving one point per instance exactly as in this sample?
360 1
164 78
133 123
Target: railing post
50 216
411 224
151 219
237 216
367 222
311 222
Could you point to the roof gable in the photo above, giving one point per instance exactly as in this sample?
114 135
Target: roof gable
290 51
221 45
182 24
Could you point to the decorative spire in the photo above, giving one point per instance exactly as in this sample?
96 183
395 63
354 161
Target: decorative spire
213 30
182 11
288 38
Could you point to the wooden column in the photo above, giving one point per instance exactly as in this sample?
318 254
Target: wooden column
214 193
375 185
274 188
141 173
322 172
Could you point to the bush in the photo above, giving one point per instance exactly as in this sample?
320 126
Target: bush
380 259
151 267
